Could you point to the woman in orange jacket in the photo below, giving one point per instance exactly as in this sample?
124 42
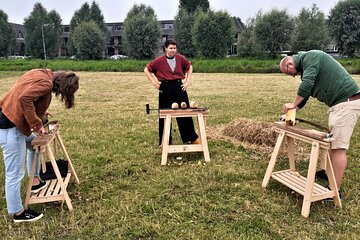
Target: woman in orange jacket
21 113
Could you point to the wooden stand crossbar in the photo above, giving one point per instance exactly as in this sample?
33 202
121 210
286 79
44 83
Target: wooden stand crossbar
168 114
320 146
56 188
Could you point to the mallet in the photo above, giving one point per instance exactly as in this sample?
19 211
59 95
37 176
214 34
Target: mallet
148 108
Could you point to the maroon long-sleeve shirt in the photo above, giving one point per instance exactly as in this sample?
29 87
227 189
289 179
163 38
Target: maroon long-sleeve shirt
162 70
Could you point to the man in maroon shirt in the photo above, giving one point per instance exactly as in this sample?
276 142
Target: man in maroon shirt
171 75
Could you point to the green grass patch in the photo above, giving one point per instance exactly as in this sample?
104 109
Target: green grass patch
227 65
125 193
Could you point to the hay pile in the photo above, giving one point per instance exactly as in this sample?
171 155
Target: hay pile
251 131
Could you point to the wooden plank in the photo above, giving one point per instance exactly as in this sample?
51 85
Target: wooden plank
325 144
53 183
59 178
312 133
46 199
43 139
165 140
289 181
291 152
332 181
273 159
42 192
67 157
185 148
315 150
31 178
189 112
298 184
203 139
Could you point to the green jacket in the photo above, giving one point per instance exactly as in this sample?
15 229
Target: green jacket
322 77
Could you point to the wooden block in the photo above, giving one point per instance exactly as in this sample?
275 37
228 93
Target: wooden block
183 105
290 117
174 105
44 139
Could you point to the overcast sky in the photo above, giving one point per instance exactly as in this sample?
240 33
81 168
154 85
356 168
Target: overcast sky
116 10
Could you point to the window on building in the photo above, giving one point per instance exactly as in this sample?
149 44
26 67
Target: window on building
66 29
111 41
109 27
20 35
168 26
117 27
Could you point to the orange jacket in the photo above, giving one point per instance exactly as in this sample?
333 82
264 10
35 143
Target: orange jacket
28 99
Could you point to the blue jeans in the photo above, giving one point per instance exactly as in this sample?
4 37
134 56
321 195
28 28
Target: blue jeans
14 145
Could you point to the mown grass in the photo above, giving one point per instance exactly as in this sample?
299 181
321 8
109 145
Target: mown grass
227 65
126 194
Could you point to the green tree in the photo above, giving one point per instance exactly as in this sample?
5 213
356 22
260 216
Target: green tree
184 22
274 31
86 13
213 34
344 26
50 23
247 46
97 16
141 32
7 35
89 40
311 31
191 5
53 29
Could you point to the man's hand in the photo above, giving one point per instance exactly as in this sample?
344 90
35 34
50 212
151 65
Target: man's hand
156 84
288 106
42 130
185 85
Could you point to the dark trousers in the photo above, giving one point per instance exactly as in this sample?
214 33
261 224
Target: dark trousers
170 92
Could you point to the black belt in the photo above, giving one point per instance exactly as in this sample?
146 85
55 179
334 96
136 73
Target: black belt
171 81
354 97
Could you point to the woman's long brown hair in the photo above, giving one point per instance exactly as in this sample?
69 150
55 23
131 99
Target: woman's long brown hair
66 84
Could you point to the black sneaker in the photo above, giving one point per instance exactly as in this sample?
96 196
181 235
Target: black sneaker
321 175
331 199
37 188
27 216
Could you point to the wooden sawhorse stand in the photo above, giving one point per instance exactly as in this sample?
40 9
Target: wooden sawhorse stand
168 114
56 188
305 186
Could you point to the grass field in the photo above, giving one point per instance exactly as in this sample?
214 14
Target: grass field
126 194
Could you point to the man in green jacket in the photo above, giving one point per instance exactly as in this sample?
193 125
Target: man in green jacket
323 78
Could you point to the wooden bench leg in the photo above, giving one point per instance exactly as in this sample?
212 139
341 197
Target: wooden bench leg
59 178
31 178
332 181
203 137
67 157
165 140
273 159
310 179
290 152
323 160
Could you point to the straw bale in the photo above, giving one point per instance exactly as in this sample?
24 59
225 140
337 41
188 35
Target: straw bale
251 131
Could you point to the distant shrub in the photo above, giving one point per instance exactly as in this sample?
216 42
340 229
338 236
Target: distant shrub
226 65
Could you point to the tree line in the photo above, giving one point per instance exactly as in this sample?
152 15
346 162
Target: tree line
277 31
199 31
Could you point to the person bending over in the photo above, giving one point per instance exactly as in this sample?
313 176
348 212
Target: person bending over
322 77
21 112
